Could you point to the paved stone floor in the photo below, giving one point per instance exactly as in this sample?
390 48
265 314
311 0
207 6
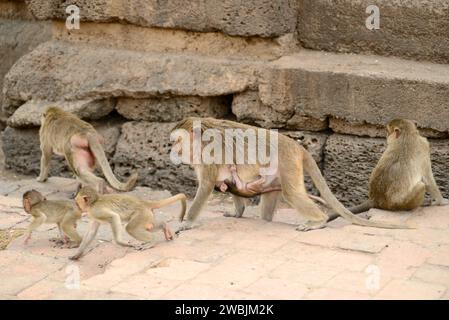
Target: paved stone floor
228 258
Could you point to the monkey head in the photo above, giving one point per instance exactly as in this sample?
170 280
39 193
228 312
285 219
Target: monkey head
31 198
85 197
51 112
397 127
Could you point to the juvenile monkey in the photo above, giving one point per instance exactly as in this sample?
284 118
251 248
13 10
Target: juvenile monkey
64 213
115 208
403 174
65 134
291 160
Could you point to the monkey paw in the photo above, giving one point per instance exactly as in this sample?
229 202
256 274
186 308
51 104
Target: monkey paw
311 225
144 246
186 225
41 179
231 215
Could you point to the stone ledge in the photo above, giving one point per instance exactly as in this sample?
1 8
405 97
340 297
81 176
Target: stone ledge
411 29
266 18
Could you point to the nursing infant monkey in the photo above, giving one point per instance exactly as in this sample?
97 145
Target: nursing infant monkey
65 134
292 159
115 208
64 213
403 174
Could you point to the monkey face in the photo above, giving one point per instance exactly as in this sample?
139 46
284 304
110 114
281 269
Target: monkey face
26 205
82 202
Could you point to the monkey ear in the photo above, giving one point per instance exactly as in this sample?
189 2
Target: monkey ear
27 205
397 132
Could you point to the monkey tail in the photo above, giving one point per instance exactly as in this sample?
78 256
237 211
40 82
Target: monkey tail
312 169
100 156
179 197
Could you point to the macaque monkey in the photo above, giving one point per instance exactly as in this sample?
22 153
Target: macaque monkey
291 159
403 174
64 213
115 208
238 187
65 134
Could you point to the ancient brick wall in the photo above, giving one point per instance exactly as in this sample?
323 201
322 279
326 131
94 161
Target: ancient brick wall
137 66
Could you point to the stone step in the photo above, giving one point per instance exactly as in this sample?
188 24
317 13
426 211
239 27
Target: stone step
359 88
413 29
297 92
60 71
265 18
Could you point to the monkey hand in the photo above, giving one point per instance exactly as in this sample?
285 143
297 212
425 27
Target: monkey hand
75 257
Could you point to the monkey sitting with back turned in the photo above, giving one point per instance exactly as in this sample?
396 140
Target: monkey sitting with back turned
64 213
403 174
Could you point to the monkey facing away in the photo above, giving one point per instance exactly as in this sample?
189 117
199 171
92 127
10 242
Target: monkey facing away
64 213
115 208
291 159
403 174
65 134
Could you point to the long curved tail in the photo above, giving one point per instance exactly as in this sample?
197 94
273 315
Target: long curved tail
312 169
155 204
100 156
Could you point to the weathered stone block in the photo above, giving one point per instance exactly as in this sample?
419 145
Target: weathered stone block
173 109
374 131
248 108
17 37
411 28
30 113
145 147
234 17
80 71
358 88
350 160
22 148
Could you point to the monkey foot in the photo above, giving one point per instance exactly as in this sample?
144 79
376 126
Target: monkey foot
185 226
231 215
57 241
311 225
144 246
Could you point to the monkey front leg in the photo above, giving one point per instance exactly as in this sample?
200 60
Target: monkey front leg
38 220
202 194
88 237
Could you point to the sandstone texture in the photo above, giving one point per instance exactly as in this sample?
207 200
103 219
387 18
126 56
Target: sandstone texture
145 147
412 29
263 18
18 37
173 109
30 113
80 72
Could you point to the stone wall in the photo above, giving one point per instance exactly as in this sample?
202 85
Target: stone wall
136 67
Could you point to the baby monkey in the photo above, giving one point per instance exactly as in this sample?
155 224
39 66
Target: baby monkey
115 208
238 187
64 213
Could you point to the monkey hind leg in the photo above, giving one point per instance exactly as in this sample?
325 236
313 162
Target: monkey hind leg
302 203
140 225
239 205
414 199
268 204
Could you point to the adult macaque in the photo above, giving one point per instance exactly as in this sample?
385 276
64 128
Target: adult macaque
115 208
290 161
65 134
64 213
403 174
